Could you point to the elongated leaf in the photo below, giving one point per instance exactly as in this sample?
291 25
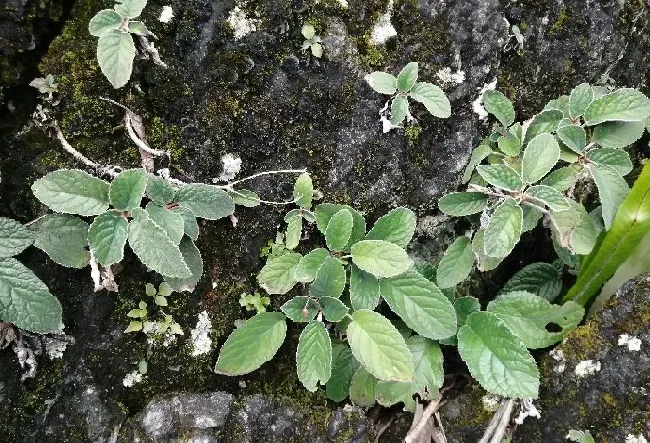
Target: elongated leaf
497 104
397 226
252 345
612 190
456 264
379 347
420 304
362 388
309 265
427 361
504 229
127 189
72 192
542 123
130 8
624 104
459 204
303 190
389 393
541 154
171 222
344 365
107 237
478 155
205 201
300 309
497 358
433 98
314 356
364 289
617 135
339 230
104 21
14 237
64 239
324 213
115 54
574 137
382 82
562 178
581 96
190 225
330 279
399 109
277 276
501 176
614 158
541 279
380 258
407 77
548 196
192 257
158 190
510 145
294 232
484 262
245 198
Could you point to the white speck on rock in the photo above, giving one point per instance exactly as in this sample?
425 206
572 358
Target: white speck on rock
528 409
491 402
587 367
201 341
634 439
477 105
231 167
446 76
55 348
632 343
343 3
166 15
240 23
383 29
132 378
558 355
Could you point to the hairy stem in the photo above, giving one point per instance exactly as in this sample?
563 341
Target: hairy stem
259 174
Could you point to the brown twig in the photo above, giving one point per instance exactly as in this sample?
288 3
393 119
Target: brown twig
431 409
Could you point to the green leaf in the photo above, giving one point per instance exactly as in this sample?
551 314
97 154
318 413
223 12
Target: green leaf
382 82
190 225
427 361
309 265
364 289
316 50
458 204
466 306
333 309
617 159
130 8
510 145
308 31
294 232
504 229
303 190
158 190
478 155
542 123
300 309
456 264
617 135
72 192
104 21
245 198
324 213
277 276
379 347
497 358
115 54
407 77
330 279
541 154
561 179
625 104
497 104
484 263
397 226
127 189
612 190
192 257
548 196
171 222
390 393
205 201
134 326
314 356
420 304
581 96
433 98
14 237
339 230
344 366
154 248
531 218
107 236
362 388
64 239
541 279
25 301
559 104
380 258
138 28
252 345
399 109
584 236
574 137
501 176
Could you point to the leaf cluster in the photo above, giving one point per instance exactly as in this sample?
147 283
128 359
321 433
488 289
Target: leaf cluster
312 41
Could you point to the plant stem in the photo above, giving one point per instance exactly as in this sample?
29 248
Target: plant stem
431 409
259 174
267 202
504 422
111 171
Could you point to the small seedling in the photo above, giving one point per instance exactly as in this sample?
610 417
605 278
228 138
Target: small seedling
254 302
312 41
45 85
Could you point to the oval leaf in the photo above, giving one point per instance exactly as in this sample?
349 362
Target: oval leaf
382 82
104 21
191 257
503 230
397 226
314 356
300 309
339 230
205 201
72 192
330 279
107 236
407 77
541 154
541 279
277 276
380 258
433 98
624 104
456 264
303 190
364 289
459 204
14 237
115 54
64 239
309 265
501 176
497 104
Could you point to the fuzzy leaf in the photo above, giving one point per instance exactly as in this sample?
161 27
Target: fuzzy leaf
542 123
130 8
138 28
382 82
72 192
497 104
478 155
14 237
624 104
107 236
364 289
501 176
127 189
294 232
541 154
399 109
427 362
548 196
104 21
339 230
64 239
581 96
334 309
309 265
433 98
158 190
459 204
344 365
510 145
308 31
362 388
115 54
574 137
190 225
277 276
617 135
612 190
303 190
330 279
614 158
503 230
192 257
324 213
380 258
314 356
484 262
561 179
456 264
171 222
407 77
205 201
397 226
300 309
541 279
245 198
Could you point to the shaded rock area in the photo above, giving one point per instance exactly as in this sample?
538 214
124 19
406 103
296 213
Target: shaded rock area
256 95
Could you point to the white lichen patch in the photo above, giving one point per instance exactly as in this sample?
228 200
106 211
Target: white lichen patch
201 341
344 3
231 167
166 15
383 29
132 378
558 356
241 25
491 402
587 367
528 409
633 343
55 348
635 439
477 105
447 76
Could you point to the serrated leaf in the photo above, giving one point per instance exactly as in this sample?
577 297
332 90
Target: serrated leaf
510 145
497 358
154 248
622 105
399 109
171 222
612 190
541 279
617 135
14 237
464 307
478 155
427 362
314 356
294 232
308 31
397 226
130 8
407 77
190 224
362 388
459 204
277 276
581 96
541 154
115 54
574 137
158 190
300 309
64 239
617 159
379 347
389 393
382 82
456 264
26 301
205 201
303 190
584 236
497 104
433 98
104 21
252 344
501 176
107 237
364 289
344 366
339 229
192 257
324 213
330 279
528 317
127 189
72 192
504 229
245 198
531 218
542 123
309 265
559 104
561 179
380 258
334 309
484 263
548 196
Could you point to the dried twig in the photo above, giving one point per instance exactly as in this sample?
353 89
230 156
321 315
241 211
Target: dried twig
110 171
497 427
431 409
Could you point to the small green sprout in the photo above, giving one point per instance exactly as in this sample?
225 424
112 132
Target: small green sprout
45 85
254 302
580 436
312 41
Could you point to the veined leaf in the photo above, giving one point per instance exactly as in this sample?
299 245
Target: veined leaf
294 232
617 135
115 54
303 190
484 262
330 279
407 77
612 190
574 137
64 238
504 229
14 238
501 176
158 190
541 279
380 258
456 264
364 289
104 21
397 226
497 104
459 204
433 98
548 196
362 388
314 356
205 201
541 154
324 213
581 96
192 257
389 393
478 155
382 82
300 309
624 104
614 158
245 198
127 189
427 361
344 365
562 178
542 123
190 225
130 8
399 109
72 192
107 237
339 230
309 265
171 222
510 145
277 276
334 310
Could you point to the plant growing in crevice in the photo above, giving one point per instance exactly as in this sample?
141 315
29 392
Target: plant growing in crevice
46 85
403 87
254 302
312 41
